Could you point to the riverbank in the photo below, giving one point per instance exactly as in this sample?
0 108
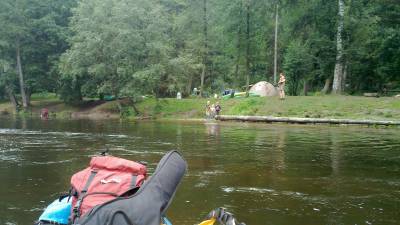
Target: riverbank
298 120
91 109
327 107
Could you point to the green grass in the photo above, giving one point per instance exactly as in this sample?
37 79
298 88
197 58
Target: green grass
351 107
173 108
43 96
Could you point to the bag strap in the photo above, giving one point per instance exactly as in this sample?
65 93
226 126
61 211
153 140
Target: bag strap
133 181
77 207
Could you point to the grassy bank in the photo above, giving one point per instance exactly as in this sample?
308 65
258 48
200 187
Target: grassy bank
351 107
294 106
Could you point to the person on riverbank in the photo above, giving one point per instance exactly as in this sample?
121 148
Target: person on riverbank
44 113
281 86
208 109
212 111
217 108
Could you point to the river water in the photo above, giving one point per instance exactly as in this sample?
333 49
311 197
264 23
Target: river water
263 173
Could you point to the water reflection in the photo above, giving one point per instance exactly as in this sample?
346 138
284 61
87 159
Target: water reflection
279 161
266 174
212 128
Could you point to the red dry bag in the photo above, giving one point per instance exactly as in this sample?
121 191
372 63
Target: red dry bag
106 178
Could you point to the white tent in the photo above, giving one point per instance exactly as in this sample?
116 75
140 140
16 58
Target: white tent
263 88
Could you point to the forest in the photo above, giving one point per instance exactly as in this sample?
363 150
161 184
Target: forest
128 48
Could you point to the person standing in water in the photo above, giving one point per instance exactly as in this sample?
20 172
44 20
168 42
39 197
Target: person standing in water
281 86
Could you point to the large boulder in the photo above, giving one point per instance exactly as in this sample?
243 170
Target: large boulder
263 89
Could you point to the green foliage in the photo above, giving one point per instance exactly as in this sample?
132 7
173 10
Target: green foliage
38 29
70 90
118 47
297 64
43 96
8 79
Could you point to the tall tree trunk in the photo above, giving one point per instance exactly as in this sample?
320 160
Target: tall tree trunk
189 85
239 43
205 46
276 45
202 80
13 100
344 77
237 67
327 86
338 75
28 94
25 100
247 46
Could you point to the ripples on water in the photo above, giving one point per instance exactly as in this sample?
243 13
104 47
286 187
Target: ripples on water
265 174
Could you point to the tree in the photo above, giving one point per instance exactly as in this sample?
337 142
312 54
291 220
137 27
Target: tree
33 38
248 41
135 47
297 64
339 66
205 46
8 83
372 53
116 45
15 27
276 43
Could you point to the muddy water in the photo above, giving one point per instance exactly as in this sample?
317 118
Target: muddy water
263 173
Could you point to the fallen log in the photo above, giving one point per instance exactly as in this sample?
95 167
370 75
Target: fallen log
374 95
271 119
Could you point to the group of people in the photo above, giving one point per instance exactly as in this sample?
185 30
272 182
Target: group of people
212 109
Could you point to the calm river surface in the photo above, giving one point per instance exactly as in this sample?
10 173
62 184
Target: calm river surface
263 173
